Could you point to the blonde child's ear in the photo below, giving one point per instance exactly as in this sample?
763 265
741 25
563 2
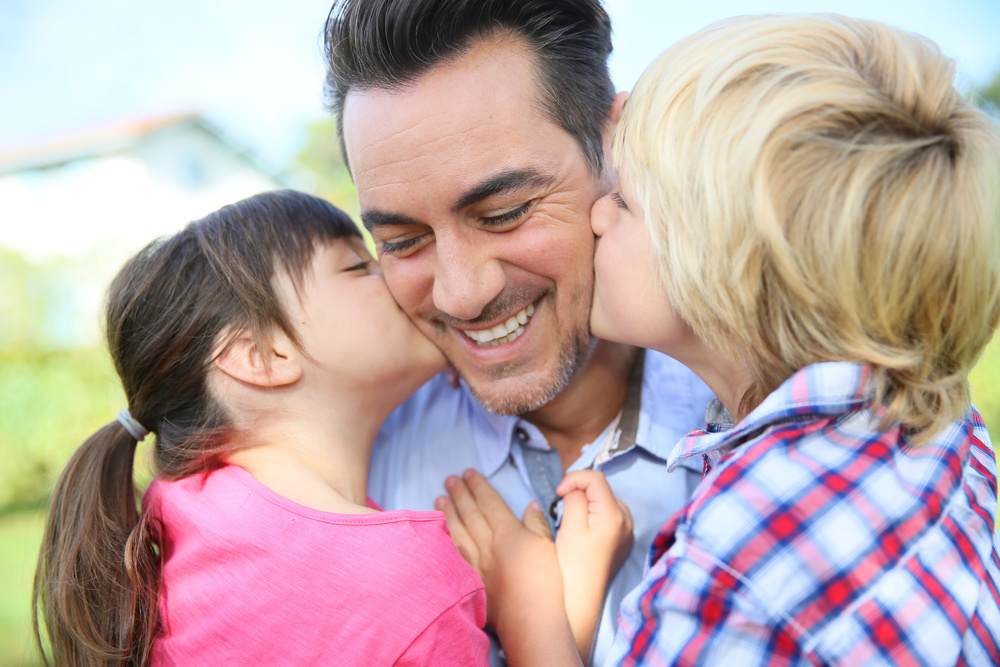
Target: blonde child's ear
275 365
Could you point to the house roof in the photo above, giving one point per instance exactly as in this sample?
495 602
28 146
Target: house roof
112 137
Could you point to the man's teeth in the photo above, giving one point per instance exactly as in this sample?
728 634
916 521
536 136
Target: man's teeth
506 332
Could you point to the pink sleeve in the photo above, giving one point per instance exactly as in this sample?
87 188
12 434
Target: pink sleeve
454 638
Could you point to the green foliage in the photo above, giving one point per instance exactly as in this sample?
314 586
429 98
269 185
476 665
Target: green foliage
985 381
20 535
33 301
50 402
330 179
321 156
51 399
987 97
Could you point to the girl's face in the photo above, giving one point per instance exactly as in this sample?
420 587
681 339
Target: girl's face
630 305
351 327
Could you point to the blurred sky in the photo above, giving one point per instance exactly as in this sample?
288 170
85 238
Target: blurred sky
254 66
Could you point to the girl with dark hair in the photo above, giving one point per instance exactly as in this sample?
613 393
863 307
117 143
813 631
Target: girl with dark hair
263 350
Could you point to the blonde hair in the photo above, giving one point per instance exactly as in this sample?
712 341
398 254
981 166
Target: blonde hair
816 190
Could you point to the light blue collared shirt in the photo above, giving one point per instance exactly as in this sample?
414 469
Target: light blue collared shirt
442 431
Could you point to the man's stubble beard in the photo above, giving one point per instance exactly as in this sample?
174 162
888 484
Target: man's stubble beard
574 353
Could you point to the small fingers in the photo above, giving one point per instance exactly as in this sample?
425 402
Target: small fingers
467 509
626 538
535 521
576 509
459 535
489 501
591 482
626 513
598 500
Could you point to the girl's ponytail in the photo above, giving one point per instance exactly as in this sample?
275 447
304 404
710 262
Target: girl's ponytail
97 575
168 309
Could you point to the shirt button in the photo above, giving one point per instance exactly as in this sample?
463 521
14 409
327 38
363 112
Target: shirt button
521 434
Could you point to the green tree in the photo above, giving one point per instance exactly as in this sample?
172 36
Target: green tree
987 96
324 165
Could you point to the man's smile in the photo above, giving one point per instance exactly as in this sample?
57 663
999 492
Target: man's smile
505 332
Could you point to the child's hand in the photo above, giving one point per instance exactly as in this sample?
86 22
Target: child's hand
518 564
594 539
516 560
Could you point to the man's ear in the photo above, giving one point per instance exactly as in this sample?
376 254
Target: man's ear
614 115
610 123
617 105
275 366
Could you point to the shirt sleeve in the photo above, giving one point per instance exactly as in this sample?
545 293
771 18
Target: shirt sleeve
690 610
453 638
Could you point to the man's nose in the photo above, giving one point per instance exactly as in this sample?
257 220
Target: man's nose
467 277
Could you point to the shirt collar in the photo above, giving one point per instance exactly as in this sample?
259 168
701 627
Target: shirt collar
493 436
644 415
622 430
670 395
628 424
824 389
651 419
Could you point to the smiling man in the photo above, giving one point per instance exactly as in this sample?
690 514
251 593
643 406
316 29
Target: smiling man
476 212
474 130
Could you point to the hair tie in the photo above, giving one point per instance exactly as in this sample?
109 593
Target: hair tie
134 428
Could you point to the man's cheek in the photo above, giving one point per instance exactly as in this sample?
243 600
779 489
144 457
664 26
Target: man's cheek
406 290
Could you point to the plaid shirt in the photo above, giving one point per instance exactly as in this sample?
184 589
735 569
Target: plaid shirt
815 539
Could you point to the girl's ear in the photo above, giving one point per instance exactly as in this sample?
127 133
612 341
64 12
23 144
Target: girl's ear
276 366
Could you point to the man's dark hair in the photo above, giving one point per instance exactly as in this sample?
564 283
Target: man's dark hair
388 44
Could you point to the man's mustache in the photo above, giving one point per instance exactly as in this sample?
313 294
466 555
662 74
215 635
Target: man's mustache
504 304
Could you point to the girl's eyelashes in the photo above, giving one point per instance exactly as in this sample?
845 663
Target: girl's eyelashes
616 197
360 266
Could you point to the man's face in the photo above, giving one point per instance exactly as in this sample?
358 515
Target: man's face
479 206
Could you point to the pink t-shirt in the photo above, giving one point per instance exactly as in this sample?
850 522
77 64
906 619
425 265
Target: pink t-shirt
251 578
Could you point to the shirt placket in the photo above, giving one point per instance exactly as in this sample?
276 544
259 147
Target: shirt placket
544 469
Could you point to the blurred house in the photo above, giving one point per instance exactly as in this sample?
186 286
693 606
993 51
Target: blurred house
79 204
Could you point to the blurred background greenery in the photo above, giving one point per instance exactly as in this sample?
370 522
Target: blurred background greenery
53 394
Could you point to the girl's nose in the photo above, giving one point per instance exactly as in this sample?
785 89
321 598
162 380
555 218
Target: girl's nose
600 214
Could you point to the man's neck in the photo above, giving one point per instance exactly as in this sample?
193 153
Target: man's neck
590 401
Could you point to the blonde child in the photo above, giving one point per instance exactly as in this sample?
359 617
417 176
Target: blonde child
263 350
806 217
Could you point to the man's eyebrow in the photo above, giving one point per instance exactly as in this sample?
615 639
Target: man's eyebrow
508 181
376 218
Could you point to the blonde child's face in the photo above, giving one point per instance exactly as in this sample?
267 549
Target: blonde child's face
630 304
349 324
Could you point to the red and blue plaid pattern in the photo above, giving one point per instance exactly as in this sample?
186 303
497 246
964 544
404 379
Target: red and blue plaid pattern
815 539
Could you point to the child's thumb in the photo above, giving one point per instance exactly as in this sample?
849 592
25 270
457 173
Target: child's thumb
534 520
